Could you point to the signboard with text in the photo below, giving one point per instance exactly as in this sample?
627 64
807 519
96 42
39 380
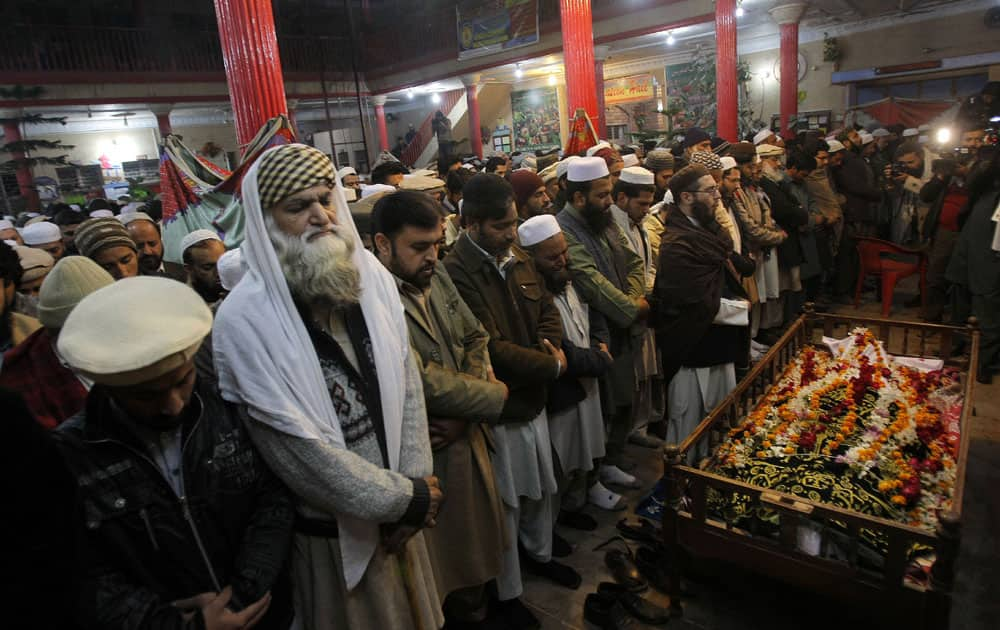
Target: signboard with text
491 26
629 89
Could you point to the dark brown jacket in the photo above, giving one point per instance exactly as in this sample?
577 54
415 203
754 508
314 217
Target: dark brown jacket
517 313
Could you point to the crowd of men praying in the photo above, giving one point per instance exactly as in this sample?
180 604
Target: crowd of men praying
379 410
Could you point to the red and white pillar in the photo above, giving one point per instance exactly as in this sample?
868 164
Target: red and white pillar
578 57
471 83
726 89
25 180
787 16
253 66
601 122
383 131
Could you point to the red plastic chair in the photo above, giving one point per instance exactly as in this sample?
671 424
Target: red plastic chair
891 263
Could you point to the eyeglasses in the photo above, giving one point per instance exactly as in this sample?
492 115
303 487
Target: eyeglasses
714 190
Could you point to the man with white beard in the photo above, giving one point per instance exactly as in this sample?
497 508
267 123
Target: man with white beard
312 344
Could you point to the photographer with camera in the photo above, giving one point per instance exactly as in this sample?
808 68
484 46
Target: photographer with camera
947 193
904 178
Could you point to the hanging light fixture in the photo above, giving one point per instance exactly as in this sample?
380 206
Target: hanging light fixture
409 94
739 8
670 38
518 72
436 98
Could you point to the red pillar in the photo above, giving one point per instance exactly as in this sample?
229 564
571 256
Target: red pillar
25 181
163 123
601 122
578 57
383 132
472 99
253 67
726 94
788 16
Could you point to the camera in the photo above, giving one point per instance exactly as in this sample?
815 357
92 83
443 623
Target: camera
898 168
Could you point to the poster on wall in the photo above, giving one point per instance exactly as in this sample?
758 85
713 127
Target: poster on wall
486 27
691 91
536 119
629 89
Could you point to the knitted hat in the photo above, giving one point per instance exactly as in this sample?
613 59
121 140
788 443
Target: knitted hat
525 183
743 152
35 262
94 235
707 159
695 136
72 279
659 159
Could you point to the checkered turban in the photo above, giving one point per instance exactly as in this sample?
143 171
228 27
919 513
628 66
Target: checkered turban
291 169
707 159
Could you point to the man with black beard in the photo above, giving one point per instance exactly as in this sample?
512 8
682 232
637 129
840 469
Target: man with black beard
610 277
462 397
312 344
180 521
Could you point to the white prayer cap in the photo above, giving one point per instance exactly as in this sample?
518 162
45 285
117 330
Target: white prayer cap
344 172
769 150
727 163
196 237
76 207
866 138
134 330
563 166
374 189
470 167
101 214
10 243
132 206
587 169
38 218
637 175
909 133
549 173
880 133
32 215
762 135
41 233
603 144
835 145
129 217
630 159
6 225
231 268
537 229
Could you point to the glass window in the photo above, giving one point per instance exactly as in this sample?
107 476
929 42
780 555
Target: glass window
868 94
969 85
904 90
936 88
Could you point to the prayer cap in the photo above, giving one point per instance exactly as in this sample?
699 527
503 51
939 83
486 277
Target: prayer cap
603 144
38 218
769 150
880 132
695 136
289 169
537 229
866 138
659 159
420 182
134 330
41 233
743 152
5 224
835 145
637 175
563 167
198 236
72 279
35 263
707 159
101 214
727 162
231 268
762 135
374 189
524 183
94 235
530 162
907 133
344 172
587 169
630 160
75 206
549 173
129 217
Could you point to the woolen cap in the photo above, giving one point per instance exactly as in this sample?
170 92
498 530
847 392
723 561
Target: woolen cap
587 169
743 152
525 183
35 262
134 330
72 279
695 136
637 175
659 159
537 229
41 233
707 159
94 235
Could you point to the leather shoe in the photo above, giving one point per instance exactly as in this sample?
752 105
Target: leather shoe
555 571
643 531
640 608
621 564
651 567
560 546
577 520
607 613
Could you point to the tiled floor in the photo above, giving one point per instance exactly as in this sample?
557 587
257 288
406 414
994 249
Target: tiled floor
733 599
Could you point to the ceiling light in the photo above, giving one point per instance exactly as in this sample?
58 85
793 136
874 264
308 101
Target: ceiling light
739 9
670 39
552 79
435 98
518 72
943 135
409 94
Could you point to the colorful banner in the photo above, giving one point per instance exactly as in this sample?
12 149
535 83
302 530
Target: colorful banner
486 27
536 119
691 90
629 89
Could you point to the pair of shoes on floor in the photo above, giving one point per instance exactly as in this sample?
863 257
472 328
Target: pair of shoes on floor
515 615
641 531
560 546
605 499
576 520
611 606
640 438
556 571
614 475
621 564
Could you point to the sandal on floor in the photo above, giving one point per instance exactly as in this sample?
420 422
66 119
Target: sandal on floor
622 565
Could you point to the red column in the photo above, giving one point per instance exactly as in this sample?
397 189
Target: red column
788 16
383 132
163 123
25 181
726 95
601 122
578 56
253 67
472 99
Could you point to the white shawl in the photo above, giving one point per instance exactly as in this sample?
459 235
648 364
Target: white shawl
266 360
